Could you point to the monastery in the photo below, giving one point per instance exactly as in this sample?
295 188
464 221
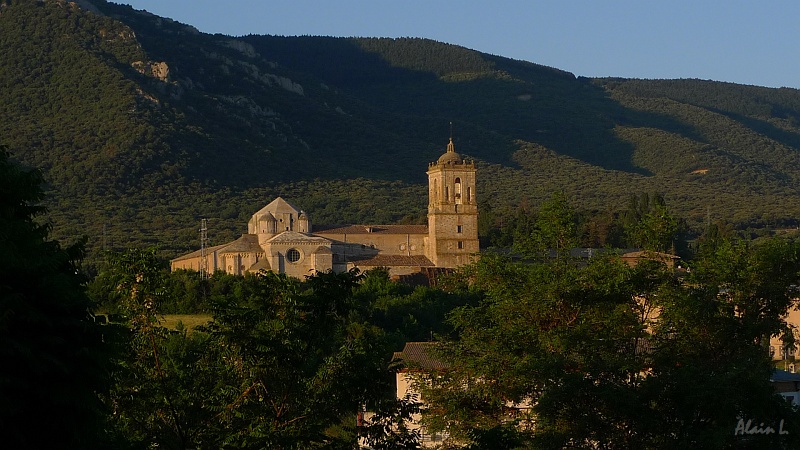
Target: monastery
280 237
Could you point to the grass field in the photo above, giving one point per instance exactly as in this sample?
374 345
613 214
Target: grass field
189 320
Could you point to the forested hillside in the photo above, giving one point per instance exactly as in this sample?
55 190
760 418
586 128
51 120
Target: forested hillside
142 125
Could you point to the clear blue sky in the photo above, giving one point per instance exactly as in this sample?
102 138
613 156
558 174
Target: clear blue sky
742 41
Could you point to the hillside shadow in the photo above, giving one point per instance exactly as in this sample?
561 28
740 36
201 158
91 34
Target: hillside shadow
573 117
761 126
400 117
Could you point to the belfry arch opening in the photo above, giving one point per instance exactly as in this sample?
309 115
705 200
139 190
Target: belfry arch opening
457 191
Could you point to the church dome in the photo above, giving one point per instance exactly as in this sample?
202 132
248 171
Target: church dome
450 156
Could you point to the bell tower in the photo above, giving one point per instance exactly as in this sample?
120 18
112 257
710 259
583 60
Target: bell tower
452 210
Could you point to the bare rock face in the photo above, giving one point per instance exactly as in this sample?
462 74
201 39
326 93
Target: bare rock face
158 70
242 47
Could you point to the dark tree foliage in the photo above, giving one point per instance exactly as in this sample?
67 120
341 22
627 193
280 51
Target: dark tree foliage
283 364
610 356
300 361
53 358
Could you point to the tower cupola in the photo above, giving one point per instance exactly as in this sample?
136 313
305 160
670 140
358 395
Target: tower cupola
450 156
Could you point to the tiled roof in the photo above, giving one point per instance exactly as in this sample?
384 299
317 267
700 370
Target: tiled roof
248 243
420 355
393 260
367 229
197 254
646 254
262 263
294 237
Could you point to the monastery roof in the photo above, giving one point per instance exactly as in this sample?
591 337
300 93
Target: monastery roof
367 229
197 253
322 250
262 264
420 355
295 237
276 205
393 261
248 243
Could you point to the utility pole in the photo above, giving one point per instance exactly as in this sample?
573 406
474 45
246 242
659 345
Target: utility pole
203 244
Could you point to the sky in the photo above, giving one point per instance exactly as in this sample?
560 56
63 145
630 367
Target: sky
752 42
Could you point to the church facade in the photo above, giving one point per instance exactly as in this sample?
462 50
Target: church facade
280 236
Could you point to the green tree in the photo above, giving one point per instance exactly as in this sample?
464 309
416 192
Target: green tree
710 364
301 361
611 356
651 225
555 229
159 382
52 351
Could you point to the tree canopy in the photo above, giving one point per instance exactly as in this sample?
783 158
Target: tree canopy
54 361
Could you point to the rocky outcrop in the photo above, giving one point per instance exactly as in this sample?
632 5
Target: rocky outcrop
158 70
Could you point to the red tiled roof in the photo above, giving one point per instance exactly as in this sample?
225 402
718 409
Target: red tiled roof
420 355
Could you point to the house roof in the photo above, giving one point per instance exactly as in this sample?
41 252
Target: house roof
646 254
420 355
371 229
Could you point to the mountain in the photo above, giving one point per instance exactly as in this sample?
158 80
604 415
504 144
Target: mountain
143 125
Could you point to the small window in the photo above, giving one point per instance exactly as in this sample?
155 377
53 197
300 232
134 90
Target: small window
460 244
293 255
458 229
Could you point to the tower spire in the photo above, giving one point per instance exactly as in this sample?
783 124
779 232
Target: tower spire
451 148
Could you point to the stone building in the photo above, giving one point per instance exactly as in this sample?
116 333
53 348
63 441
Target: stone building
280 236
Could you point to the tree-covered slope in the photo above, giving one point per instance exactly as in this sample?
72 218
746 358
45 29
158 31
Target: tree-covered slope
142 125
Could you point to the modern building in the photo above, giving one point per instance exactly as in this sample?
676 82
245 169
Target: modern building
280 237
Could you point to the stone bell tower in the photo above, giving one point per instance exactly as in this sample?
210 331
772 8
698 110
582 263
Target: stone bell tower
452 210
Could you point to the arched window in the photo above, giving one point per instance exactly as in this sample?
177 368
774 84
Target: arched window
457 191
